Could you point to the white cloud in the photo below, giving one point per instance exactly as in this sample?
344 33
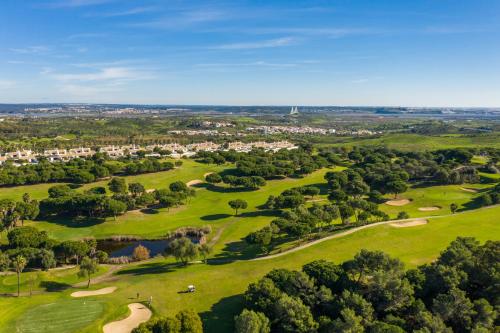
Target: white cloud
30 49
183 19
104 74
270 43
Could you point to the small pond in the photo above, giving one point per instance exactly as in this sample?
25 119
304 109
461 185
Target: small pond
126 248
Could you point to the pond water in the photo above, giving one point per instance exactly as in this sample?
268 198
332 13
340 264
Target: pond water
126 248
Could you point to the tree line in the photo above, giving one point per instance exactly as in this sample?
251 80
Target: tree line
78 170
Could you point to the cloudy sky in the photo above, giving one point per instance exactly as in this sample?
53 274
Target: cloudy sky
290 52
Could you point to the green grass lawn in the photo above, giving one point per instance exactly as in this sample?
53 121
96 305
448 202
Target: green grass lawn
209 207
219 286
439 196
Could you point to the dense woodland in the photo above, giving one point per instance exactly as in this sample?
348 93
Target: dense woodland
374 293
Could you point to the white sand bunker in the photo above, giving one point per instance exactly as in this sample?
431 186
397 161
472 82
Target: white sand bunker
87 293
398 203
471 190
139 314
429 209
411 223
194 182
208 173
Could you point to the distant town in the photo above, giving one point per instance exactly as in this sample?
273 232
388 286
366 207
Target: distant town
173 150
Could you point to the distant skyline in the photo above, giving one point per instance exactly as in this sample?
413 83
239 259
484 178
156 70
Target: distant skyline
338 52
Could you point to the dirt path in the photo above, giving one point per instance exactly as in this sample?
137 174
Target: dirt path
106 277
139 314
471 190
87 293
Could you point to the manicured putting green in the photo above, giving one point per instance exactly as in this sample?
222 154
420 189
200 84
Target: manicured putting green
61 317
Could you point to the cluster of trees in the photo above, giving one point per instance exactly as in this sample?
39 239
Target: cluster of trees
378 166
290 198
373 293
184 250
185 321
29 247
249 182
78 170
11 211
269 165
95 203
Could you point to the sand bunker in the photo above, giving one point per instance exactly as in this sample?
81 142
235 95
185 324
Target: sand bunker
411 223
87 293
139 314
401 202
208 173
429 209
194 182
471 190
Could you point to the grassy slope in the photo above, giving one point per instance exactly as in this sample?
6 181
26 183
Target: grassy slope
219 285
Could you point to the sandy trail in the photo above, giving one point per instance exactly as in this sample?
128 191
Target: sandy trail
429 209
87 293
139 314
397 203
407 224
194 182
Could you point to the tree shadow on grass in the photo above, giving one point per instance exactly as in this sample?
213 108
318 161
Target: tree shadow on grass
72 222
264 212
215 217
323 187
220 317
149 268
150 211
54 286
222 189
471 205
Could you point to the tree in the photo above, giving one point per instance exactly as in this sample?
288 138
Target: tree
114 207
190 321
118 185
402 216
293 316
205 251
59 191
4 261
19 264
178 186
26 237
88 267
47 259
453 208
237 205
27 210
8 213
311 191
183 250
396 187
140 253
213 178
249 321
136 189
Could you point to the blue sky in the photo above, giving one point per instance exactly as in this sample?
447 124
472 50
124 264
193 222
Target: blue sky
338 52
